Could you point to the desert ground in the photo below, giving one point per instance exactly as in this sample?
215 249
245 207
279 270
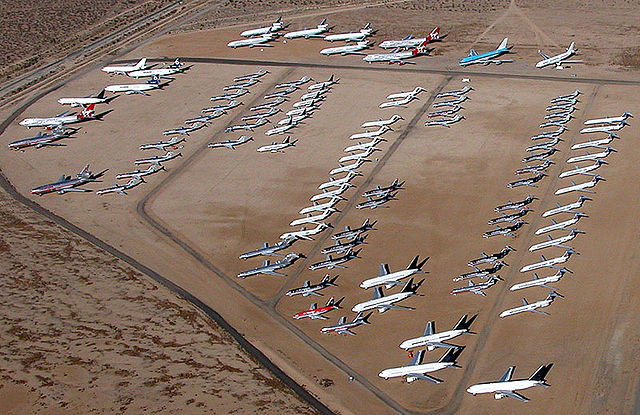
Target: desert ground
190 223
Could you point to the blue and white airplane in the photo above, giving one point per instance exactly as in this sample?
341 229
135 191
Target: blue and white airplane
488 57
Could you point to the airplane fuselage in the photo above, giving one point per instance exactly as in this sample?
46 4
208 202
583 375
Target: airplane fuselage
432 338
418 369
468 60
495 387
379 303
389 278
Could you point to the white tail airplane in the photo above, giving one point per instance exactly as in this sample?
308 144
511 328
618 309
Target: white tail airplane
363 155
403 95
158 159
153 168
432 340
452 102
595 143
344 327
230 144
371 134
320 207
360 35
346 168
570 96
411 42
159 72
123 69
389 279
418 370
339 182
560 59
581 187
364 146
505 387
306 233
456 94
383 303
560 225
398 56
532 307
121 188
348 49
540 282
281 129
252 42
604 128
141 89
550 263
275 27
566 208
308 103
477 288
583 170
593 156
331 194
609 120
315 219
323 85
380 122
317 31
446 122
229 95
162 145
277 147
556 242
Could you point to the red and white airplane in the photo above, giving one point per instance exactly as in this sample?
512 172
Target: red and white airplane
412 42
315 312
59 120
398 56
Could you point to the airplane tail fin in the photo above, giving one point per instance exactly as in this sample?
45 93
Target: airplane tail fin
367 26
414 262
464 323
337 303
101 94
434 35
365 319
323 22
540 374
87 112
503 44
572 47
142 63
451 355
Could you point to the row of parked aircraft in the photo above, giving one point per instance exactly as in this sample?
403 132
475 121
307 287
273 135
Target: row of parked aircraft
451 115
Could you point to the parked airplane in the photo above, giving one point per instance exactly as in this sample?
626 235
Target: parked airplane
294 119
323 85
275 147
230 144
128 89
403 95
320 207
365 146
565 106
609 120
537 168
344 327
204 118
294 84
308 103
556 242
451 103
595 143
281 129
561 225
507 231
314 218
604 128
340 182
349 167
41 139
515 205
418 370
261 72
545 145
184 130
397 56
313 95
162 145
153 168
158 72
373 203
558 60
69 184
323 27
348 49
570 96
349 233
411 42
432 340
331 263
380 122
217 108
456 93
445 113
124 69
509 218
389 279
306 233
381 191
371 134
482 273
566 208
281 93
550 134
493 258
245 126
488 57
531 181
261 41
383 303
550 263
557 122
505 387
540 282
332 193
265 249
229 96
583 170
315 312
477 288
312 289
355 156
269 268
340 247
61 120
532 307
581 187
540 156
593 156
275 27
445 122
265 114
88 100
360 35
170 155
121 188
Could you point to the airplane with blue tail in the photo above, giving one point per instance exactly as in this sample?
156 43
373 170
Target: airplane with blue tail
488 57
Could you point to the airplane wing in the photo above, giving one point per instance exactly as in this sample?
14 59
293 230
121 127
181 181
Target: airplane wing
540 312
386 307
544 55
321 317
514 395
572 61
507 375
424 377
277 274
314 293
384 269
73 189
346 331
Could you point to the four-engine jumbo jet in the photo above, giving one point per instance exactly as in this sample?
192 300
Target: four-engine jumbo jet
261 41
383 303
560 59
344 326
317 31
124 69
69 184
275 27
88 100
60 120
418 370
533 307
488 57
41 140
358 36
348 49
314 312
269 268
411 42
389 279
128 89
505 387
312 289
431 339
397 56
265 249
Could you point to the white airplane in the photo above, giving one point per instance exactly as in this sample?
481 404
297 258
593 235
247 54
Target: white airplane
403 95
549 263
389 279
555 242
456 94
129 89
595 143
411 42
355 156
121 188
275 27
261 72
566 208
581 187
308 289
604 128
397 56
432 340
60 120
320 207
505 387
158 159
41 140
294 119
570 96
364 146
230 95
162 145
315 94
344 327
85 101
185 130
306 233
360 35
540 282
331 194
556 123
383 303
308 103
266 114
560 225
159 72
261 41
479 288
281 129
533 307
446 122
371 134
323 85
453 102
488 57
339 182
609 120
380 122
317 31
230 144
277 147
348 49
565 106
294 84
281 93
418 370
217 108
153 168
315 219
560 59
346 168
124 69
583 170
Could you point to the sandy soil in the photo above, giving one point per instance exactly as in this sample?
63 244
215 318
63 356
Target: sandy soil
222 203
